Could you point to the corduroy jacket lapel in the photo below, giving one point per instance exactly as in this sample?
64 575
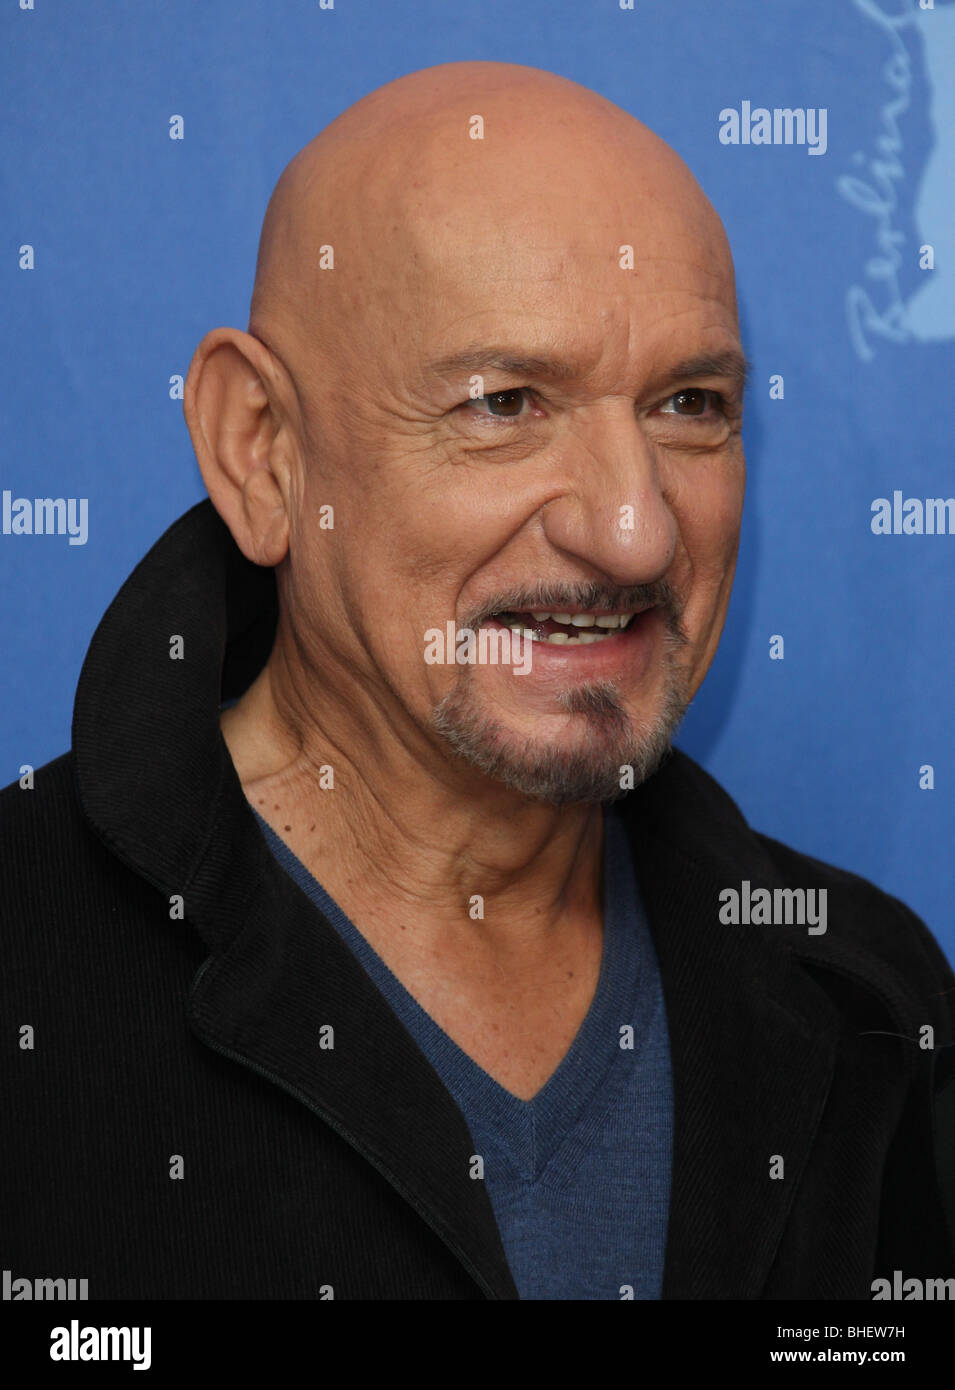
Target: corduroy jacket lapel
752 1047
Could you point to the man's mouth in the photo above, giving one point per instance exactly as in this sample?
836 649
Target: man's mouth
568 629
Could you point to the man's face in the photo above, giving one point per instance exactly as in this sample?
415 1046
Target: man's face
598 472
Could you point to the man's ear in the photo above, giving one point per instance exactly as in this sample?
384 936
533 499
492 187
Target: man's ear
228 402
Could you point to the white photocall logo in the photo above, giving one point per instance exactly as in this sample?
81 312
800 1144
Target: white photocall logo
877 307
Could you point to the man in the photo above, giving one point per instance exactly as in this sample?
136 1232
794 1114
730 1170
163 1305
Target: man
372 941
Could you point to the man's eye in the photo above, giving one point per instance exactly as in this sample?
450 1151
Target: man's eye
693 402
502 403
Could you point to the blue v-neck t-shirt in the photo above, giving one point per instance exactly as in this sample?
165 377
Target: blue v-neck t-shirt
578 1176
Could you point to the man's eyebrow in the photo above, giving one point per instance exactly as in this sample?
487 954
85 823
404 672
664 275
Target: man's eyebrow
730 363
480 358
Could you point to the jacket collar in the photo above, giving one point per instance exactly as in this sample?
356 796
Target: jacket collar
752 1037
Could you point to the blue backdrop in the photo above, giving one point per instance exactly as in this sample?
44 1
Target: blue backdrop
123 246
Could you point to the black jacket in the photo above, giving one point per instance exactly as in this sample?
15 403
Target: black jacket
307 1169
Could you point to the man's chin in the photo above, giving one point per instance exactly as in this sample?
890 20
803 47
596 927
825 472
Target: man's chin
598 762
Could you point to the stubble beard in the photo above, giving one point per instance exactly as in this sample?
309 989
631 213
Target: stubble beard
593 769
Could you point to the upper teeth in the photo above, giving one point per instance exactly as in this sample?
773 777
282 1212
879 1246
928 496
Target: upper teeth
607 622
586 619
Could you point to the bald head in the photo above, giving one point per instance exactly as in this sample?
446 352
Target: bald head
454 166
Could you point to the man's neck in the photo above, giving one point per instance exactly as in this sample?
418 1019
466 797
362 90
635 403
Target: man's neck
394 842
487 909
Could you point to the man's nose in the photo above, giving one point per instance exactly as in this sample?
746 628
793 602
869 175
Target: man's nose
612 513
